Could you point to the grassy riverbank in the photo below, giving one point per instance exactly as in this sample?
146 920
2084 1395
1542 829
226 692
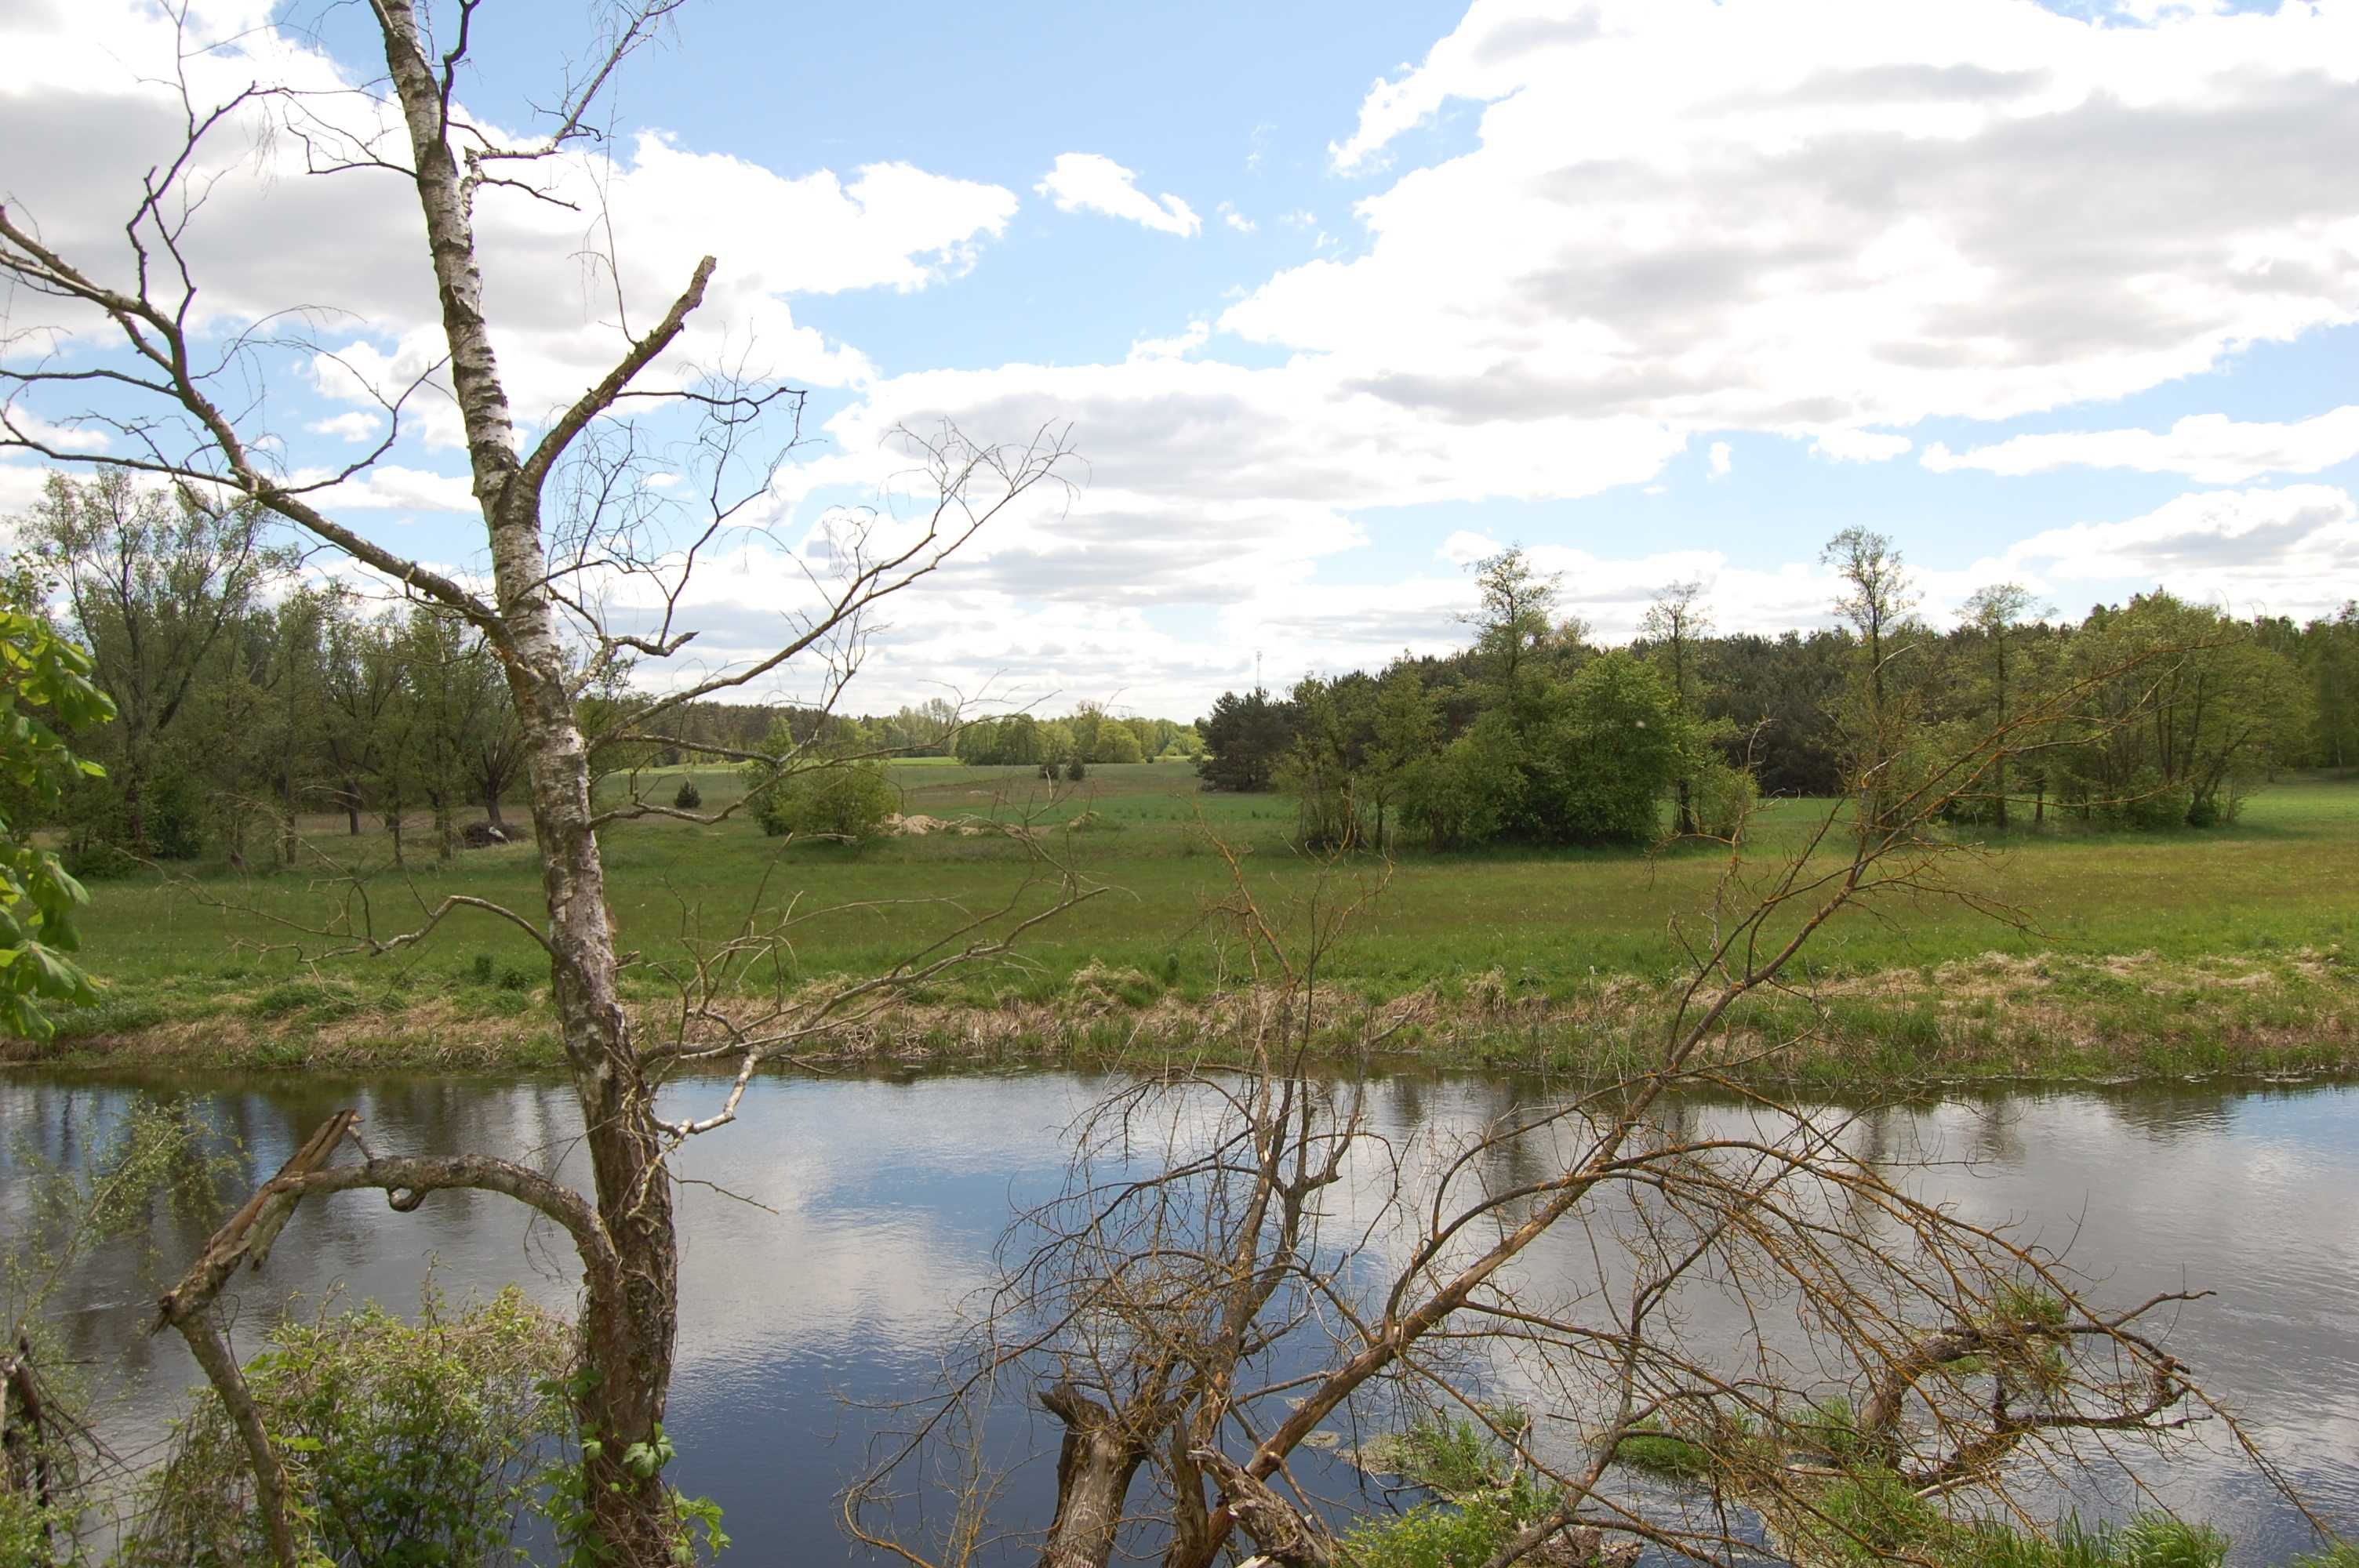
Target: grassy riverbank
2220 951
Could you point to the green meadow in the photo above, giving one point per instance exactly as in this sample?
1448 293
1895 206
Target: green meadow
2203 950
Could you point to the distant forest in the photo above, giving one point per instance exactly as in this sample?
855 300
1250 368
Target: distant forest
1534 732
246 698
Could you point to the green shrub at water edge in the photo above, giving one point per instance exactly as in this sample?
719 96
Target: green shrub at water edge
407 1446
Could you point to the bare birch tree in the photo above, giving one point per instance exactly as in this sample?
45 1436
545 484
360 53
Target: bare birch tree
564 521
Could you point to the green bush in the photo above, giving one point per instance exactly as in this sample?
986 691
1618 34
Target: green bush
1622 741
406 1446
688 797
1723 797
1469 792
839 800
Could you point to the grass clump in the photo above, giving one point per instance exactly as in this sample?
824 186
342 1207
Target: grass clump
1486 1494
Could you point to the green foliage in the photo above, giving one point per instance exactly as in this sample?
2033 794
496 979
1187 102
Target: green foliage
1470 791
1870 1515
155 1163
840 800
1455 1457
2184 712
688 797
564 1487
1621 742
2340 1554
45 687
1664 1453
1723 798
406 1445
1431 1535
1244 740
1486 1494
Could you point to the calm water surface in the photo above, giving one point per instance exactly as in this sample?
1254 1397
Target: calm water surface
846 1220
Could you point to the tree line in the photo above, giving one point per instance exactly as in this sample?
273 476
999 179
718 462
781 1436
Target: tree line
247 697
1533 733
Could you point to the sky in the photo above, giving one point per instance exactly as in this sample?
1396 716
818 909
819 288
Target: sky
1329 300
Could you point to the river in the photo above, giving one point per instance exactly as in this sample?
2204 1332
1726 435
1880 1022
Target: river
834 1232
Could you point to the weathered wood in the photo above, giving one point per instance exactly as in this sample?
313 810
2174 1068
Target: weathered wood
1095 1465
1284 1535
247 1238
247 1235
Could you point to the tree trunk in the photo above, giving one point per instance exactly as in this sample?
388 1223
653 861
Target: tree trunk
492 806
628 1314
135 810
446 829
1094 1468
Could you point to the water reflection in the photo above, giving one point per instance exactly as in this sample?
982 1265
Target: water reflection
834 1233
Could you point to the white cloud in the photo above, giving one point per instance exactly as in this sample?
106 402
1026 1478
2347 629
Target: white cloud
2210 448
356 425
2291 551
389 487
1235 219
87 76
1841 445
1464 547
1842 215
1091 182
70 437
1680 222
1186 342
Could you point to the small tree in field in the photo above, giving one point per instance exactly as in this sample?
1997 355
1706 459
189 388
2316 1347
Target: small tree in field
839 800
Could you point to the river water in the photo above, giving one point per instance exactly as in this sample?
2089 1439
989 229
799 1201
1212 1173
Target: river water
846 1220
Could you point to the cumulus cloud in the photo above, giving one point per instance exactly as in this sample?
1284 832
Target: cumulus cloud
389 487
356 425
1091 182
1678 222
1193 337
2210 448
1858 446
2291 551
1464 547
87 77
66 436
1235 220
1842 215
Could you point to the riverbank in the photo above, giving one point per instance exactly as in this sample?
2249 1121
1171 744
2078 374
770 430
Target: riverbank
1995 1017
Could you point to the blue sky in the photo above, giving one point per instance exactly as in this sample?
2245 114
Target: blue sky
1336 298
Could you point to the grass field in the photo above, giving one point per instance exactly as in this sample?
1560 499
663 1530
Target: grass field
2274 895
